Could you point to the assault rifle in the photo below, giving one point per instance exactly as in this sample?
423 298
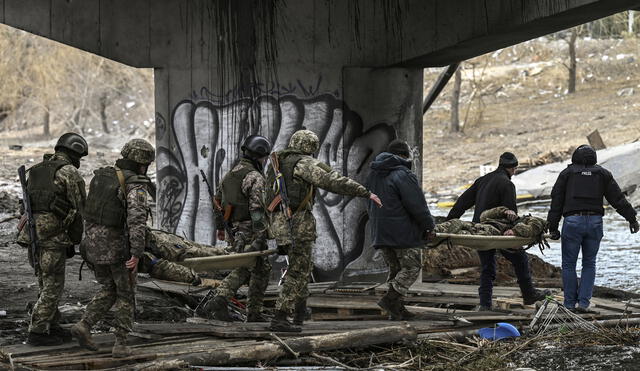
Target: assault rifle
26 203
282 199
217 207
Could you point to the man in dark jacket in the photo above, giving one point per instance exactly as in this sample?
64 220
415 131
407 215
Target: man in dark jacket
577 196
489 191
400 228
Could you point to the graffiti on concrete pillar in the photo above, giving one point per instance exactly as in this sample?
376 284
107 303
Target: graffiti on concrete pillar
207 137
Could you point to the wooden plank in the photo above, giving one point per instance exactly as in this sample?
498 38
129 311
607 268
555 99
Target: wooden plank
214 263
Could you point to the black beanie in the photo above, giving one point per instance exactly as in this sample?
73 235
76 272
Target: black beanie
508 160
399 147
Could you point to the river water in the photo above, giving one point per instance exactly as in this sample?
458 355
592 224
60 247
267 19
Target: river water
619 256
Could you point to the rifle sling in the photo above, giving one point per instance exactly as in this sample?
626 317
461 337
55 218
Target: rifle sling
123 187
306 200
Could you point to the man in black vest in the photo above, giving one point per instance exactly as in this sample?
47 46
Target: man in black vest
489 191
116 213
240 201
577 196
57 195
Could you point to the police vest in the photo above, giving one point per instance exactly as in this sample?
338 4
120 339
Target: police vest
232 197
103 206
297 191
43 193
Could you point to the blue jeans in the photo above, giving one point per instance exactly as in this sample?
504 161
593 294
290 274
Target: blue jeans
580 232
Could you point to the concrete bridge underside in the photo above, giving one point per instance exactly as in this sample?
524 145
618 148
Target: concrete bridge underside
350 70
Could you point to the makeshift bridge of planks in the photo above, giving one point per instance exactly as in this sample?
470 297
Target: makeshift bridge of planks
343 316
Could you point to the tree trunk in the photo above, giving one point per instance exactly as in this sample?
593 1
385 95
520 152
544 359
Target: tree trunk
103 113
263 351
46 124
572 61
455 102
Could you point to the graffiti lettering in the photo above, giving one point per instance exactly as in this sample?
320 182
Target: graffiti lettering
184 206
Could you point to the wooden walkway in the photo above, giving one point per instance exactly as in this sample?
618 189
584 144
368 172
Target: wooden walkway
346 312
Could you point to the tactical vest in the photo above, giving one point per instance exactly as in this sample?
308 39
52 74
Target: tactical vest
296 190
44 195
232 196
103 206
585 184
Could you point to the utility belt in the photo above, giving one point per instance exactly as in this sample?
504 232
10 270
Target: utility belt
582 213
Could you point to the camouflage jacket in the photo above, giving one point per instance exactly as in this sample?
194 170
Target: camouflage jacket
174 248
49 228
254 188
493 222
319 175
106 245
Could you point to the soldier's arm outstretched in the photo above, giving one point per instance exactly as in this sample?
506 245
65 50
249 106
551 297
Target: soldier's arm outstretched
323 176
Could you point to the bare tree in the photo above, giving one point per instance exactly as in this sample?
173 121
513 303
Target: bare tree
455 102
572 61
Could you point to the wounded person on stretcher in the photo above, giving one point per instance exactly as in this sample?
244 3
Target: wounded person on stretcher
498 221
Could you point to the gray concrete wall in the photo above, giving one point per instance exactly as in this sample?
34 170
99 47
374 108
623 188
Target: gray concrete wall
350 70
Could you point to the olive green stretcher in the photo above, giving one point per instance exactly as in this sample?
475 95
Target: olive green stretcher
212 263
480 242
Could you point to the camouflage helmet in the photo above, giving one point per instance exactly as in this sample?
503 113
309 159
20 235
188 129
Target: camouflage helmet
305 141
138 150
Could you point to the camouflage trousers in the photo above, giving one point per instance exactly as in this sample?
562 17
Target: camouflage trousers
163 269
294 289
45 313
404 267
257 277
117 290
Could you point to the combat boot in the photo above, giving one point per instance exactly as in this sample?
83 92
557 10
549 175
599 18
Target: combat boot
405 315
535 295
255 317
40 340
392 304
280 323
120 347
300 314
82 332
218 307
60 332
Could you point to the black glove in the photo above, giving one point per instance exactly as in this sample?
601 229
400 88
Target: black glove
71 252
282 250
634 227
554 235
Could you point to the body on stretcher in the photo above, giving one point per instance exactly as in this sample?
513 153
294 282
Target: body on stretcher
480 242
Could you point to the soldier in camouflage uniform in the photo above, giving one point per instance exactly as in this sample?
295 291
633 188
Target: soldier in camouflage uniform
57 193
164 249
240 202
302 174
496 222
116 214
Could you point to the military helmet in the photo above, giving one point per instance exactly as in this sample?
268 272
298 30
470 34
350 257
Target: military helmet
257 145
138 150
305 141
74 143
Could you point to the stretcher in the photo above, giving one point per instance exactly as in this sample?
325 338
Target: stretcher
212 263
481 242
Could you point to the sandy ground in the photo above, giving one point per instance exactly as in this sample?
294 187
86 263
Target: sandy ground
525 109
